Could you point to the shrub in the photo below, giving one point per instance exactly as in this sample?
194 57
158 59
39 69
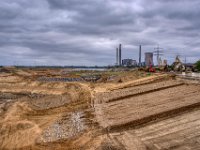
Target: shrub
197 65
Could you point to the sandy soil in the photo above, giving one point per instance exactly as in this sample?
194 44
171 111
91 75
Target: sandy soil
135 108
125 110
180 132
152 115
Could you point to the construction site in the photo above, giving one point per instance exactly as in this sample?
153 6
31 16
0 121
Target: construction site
64 109
99 75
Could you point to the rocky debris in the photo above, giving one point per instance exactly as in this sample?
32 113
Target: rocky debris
65 128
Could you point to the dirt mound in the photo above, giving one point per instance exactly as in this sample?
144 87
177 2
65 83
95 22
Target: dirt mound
21 131
135 91
50 101
31 120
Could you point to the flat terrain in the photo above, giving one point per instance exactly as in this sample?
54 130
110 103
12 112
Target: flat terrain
140 106
180 132
152 116
59 109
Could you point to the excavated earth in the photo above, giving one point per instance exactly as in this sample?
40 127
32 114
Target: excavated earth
39 115
158 115
156 112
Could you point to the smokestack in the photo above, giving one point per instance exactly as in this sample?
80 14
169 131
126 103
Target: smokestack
117 56
140 55
120 54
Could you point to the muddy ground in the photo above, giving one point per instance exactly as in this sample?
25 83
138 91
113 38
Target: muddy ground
107 110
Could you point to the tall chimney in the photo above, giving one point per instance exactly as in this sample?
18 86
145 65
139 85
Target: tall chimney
120 54
117 56
140 55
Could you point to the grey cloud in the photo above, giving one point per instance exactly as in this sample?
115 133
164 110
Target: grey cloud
77 32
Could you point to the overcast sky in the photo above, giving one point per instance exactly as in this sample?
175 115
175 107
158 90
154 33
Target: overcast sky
87 32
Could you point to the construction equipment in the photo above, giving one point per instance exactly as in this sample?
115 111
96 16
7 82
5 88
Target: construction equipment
178 65
151 69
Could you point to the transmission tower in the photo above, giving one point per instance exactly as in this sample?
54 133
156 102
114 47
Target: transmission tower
185 60
158 52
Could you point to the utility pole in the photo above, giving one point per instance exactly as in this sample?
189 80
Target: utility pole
158 52
185 59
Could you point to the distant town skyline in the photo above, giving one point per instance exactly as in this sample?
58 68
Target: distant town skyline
87 32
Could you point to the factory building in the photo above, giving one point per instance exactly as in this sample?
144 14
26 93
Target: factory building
129 63
149 59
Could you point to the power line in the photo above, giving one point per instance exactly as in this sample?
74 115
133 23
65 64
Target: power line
185 60
158 52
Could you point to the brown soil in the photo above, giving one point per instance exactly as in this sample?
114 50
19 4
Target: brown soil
122 111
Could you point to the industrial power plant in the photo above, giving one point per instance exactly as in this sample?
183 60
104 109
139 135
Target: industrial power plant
133 63
149 65
91 75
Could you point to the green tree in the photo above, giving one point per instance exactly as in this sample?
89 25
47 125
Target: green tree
197 65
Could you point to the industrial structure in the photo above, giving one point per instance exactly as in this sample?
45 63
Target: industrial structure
149 59
148 62
119 55
140 55
178 65
165 62
129 63
158 52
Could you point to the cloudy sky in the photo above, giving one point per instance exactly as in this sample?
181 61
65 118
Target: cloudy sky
87 32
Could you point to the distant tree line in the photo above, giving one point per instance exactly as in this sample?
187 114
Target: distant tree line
62 67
